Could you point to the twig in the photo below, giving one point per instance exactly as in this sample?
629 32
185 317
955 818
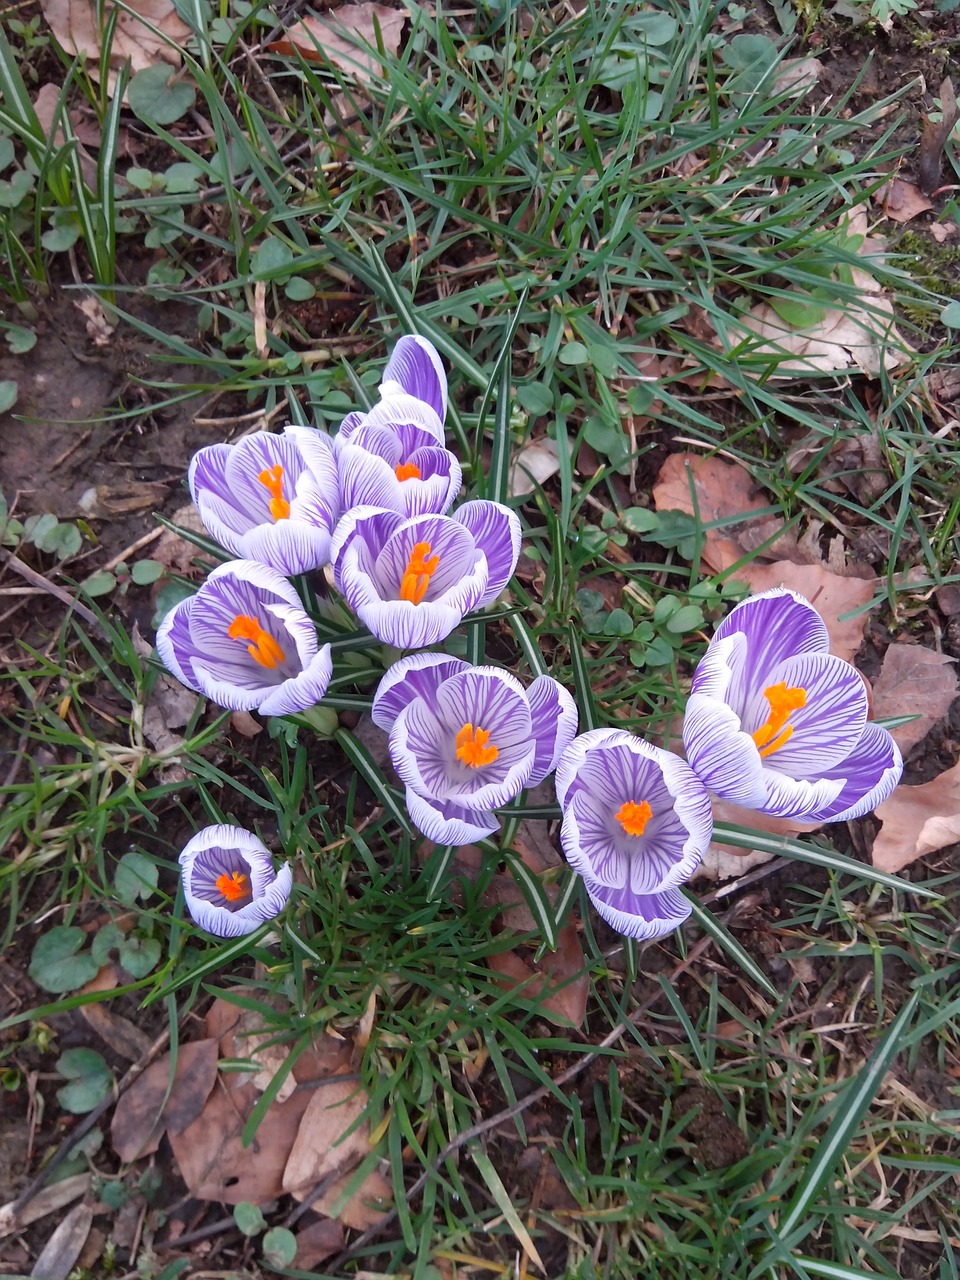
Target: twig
140 543
38 580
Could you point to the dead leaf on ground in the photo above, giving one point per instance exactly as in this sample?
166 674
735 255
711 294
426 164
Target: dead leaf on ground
177 553
723 491
533 465
212 1159
141 1116
169 707
914 680
47 1200
340 38
831 594
918 820
316 1242
321 1149
797 75
60 1253
236 1030
123 1037
726 861
78 27
557 985
901 200
942 230
46 105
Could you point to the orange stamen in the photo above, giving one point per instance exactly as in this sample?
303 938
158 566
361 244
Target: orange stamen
419 571
634 817
408 471
472 748
775 732
264 648
235 886
272 481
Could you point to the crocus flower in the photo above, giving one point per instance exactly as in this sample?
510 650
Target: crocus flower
229 883
272 498
775 722
636 822
245 642
466 740
412 581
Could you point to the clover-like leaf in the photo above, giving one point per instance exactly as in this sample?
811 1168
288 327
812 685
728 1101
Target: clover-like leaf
56 963
136 877
157 96
91 1080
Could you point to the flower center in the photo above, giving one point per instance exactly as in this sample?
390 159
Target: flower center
272 481
408 471
234 886
775 732
263 649
419 571
634 817
472 747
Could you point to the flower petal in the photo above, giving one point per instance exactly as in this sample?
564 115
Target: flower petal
720 753
497 532
173 642
553 715
403 410
304 690
419 675
368 524
572 758
869 775
642 916
447 823
222 850
415 367
289 546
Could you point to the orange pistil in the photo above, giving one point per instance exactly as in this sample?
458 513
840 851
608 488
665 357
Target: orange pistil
472 748
419 571
634 817
408 471
776 733
264 648
272 481
235 886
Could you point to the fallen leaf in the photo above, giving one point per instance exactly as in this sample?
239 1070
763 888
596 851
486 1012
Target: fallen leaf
918 820
46 106
914 680
241 1034
797 75
323 1146
726 861
169 707
210 1153
533 465
141 1115
557 985
942 230
118 1032
901 200
831 594
341 40
316 1242
58 1256
78 26
47 1200
723 491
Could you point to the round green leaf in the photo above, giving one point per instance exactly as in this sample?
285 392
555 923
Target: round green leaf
109 938
297 289
20 340
270 257
169 595
7 153
61 238
8 395
535 398
688 618
574 353
639 519
250 1221
98 584
279 1247
950 315
146 571
618 623
56 965
90 1080
139 955
158 97
136 877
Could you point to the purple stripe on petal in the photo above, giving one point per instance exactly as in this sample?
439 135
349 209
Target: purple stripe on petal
827 728
723 757
417 676
797 798
368 524
316 450
406 411
868 776
174 647
643 917
420 747
287 546
449 543
303 690
572 759
366 480
497 532
415 367
446 823
553 714
224 850
491 698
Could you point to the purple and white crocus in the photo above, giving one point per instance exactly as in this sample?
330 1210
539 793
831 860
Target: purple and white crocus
272 498
466 740
776 722
410 582
394 457
636 823
229 884
245 642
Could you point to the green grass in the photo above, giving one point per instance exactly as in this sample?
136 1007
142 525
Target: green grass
492 192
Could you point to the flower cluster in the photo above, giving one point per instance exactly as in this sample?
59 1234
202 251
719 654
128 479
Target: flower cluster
774 722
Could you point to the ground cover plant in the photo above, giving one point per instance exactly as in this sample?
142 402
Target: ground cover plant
657 253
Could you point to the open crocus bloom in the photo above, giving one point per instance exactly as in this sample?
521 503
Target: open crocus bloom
636 823
229 883
412 581
396 466
466 740
775 722
272 498
245 642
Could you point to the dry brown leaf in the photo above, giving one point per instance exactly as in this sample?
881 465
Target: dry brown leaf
934 138
321 1149
726 861
169 707
236 1031
46 105
115 1030
77 28
560 974
942 230
47 1200
316 1242
918 820
831 594
141 1116
723 490
914 680
210 1153
339 38
797 75
58 1256
533 465
901 200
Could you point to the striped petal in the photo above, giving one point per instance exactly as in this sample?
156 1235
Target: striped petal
448 823
419 675
645 917
497 533
868 776
415 368
553 715
229 884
